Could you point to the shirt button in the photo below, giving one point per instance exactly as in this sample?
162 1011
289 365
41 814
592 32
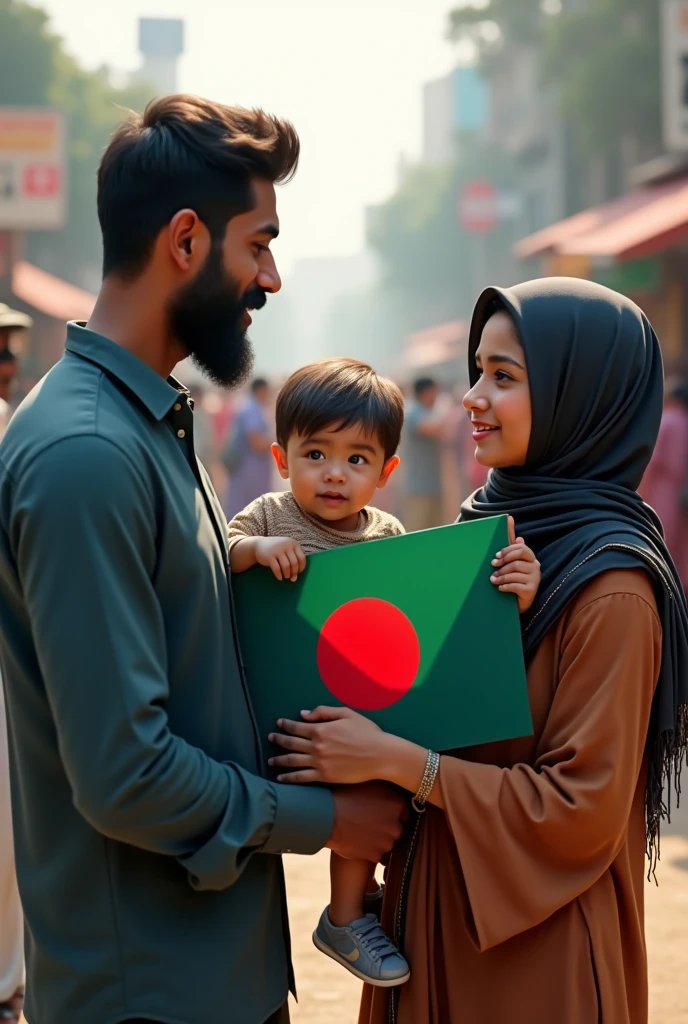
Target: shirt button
177 407
181 433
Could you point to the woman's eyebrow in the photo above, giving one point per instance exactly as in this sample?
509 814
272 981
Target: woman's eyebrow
502 359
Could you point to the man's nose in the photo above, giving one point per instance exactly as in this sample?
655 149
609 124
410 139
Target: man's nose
268 276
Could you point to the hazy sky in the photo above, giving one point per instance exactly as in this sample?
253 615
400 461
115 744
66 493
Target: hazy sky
348 74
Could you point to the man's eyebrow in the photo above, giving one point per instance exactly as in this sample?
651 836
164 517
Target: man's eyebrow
268 229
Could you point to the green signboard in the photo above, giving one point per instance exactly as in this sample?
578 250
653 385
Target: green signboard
630 276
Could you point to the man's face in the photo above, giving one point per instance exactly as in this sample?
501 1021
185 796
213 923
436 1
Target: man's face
210 316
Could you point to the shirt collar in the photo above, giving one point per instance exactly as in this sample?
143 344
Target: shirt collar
156 394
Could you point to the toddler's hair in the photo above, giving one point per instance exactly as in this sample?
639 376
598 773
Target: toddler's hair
341 393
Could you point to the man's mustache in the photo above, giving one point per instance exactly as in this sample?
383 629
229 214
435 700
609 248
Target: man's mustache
255 298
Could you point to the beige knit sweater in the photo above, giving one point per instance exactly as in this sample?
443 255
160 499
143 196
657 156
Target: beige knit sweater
279 515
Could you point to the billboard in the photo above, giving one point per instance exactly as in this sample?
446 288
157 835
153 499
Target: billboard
32 169
675 75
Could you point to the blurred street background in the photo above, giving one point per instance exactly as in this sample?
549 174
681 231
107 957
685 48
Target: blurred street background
446 146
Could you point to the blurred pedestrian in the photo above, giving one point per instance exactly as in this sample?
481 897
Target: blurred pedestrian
246 455
665 484
11 920
422 458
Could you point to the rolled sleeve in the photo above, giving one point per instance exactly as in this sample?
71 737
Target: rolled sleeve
303 822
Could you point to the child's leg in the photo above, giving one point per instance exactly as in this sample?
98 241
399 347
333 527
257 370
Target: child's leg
354 940
350 881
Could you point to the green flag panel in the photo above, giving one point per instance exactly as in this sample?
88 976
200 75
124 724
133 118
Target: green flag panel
407 630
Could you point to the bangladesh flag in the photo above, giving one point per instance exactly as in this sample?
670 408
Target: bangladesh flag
407 630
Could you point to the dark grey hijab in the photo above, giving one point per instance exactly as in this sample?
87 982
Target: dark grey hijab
596 383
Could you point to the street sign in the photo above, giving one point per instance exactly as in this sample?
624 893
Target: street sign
481 207
675 74
478 207
32 169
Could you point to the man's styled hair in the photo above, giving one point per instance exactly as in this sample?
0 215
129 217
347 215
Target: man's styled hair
184 153
422 385
340 393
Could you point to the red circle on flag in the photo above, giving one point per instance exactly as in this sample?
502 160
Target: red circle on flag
368 654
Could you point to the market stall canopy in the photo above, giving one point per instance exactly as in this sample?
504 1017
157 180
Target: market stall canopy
49 295
435 346
643 223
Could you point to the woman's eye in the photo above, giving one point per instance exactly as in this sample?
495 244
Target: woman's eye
502 376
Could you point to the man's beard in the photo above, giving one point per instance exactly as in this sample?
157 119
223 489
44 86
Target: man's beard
205 318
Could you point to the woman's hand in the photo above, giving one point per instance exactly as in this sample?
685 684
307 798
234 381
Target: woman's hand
334 745
517 570
337 746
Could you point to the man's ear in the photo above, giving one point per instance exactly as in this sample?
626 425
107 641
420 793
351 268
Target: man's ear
188 240
387 470
280 457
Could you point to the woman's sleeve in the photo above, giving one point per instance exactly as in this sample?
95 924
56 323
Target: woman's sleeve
532 839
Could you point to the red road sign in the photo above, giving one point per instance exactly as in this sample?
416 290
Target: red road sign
42 180
478 207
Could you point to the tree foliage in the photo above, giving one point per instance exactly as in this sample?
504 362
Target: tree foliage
605 58
35 70
494 23
602 55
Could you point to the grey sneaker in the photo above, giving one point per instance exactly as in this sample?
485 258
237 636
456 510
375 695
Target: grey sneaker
364 949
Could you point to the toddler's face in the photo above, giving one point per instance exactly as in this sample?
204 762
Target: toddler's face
334 474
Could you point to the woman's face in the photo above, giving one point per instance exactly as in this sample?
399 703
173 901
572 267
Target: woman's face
499 402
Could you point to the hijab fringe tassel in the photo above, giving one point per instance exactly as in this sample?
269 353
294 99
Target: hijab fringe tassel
667 757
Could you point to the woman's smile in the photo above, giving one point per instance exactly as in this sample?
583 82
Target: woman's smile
482 431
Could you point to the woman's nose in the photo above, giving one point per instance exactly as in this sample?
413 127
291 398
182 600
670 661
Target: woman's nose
472 400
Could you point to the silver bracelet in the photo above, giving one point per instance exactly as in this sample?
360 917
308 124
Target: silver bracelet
432 767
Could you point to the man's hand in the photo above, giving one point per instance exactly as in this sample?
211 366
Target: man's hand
517 570
368 820
281 554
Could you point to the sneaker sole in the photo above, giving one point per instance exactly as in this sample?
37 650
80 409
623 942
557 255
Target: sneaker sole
376 982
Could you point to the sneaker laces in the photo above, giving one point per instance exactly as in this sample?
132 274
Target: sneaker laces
374 940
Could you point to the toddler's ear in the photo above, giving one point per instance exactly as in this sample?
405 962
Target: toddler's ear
387 470
280 457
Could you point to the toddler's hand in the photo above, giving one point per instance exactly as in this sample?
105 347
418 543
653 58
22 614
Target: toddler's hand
517 570
281 554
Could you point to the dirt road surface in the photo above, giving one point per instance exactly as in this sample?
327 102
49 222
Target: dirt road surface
329 995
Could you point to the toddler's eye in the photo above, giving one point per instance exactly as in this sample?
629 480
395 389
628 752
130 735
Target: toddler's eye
315 455
357 460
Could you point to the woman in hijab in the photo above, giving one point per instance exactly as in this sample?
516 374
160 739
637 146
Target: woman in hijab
518 897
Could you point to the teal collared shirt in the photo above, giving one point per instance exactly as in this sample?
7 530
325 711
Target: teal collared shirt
146 835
